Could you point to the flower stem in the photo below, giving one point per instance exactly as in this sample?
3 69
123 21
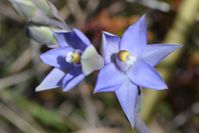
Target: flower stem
140 125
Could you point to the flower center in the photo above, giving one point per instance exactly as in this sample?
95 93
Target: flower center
126 57
73 57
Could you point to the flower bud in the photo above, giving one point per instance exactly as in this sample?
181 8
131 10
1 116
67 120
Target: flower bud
44 6
24 7
41 34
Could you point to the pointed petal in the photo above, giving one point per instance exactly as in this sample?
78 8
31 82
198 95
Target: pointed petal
91 60
146 76
82 37
75 39
56 57
134 38
74 82
110 46
72 78
109 79
153 54
127 95
60 36
52 80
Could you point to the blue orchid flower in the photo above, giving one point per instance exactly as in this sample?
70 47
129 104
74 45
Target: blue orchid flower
74 59
129 63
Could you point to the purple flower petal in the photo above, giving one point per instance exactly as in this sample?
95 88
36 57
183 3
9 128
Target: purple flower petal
127 95
146 76
134 38
153 54
56 57
52 80
75 39
60 36
82 37
110 46
109 79
72 78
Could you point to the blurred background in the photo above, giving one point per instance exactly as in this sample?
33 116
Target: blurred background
175 110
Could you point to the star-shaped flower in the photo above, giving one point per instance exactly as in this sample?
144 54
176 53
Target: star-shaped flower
75 58
129 63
